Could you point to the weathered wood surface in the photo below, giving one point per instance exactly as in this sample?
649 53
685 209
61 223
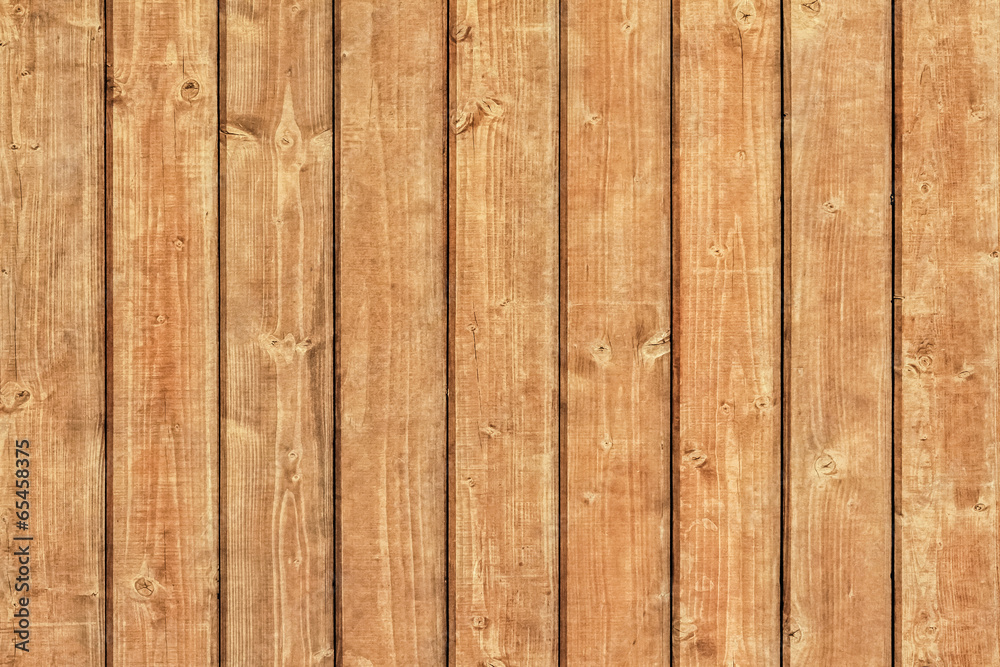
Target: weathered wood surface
838 334
497 333
277 273
505 331
727 332
616 374
163 208
947 95
52 327
392 332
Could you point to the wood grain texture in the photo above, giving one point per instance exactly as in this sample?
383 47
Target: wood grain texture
616 392
727 332
278 333
392 333
505 227
838 334
52 323
500 333
947 100
164 245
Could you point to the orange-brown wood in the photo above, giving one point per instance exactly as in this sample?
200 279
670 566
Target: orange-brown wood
727 332
277 131
163 129
505 337
392 332
52 330
616 388
947 291
453 331
838 333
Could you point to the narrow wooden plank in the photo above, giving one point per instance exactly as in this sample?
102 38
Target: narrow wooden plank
52 327
727 332
617 289
948 288
505 208
164 236
277 277
838 333
392 332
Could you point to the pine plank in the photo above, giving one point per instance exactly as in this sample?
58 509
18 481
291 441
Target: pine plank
392 332
727 332
164 365
948 596
277 505
838 333
505 336
617 333
52 325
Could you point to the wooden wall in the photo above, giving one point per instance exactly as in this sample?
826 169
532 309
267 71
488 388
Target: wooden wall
499 333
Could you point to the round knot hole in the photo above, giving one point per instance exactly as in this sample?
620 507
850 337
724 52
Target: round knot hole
190 89
144 587
826 465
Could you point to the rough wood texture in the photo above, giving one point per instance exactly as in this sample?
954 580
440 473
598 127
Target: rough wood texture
947 94
278 333
163 208
727 332
838 334
505 208
438 247
617 327
52 323
392 333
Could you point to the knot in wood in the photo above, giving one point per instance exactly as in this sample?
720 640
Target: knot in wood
826 465
601 352
744 14
144 587
657 345
190 89
696 458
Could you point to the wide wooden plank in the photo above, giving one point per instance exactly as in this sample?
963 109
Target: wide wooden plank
727 332
164 318
277 273
52 330
838 333
505 331
948 164
616 173
392 332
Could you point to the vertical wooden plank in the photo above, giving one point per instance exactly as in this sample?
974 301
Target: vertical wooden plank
392 332
948 289
164 132
278 332
838 333
505 208
52 327
727 332
617 289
